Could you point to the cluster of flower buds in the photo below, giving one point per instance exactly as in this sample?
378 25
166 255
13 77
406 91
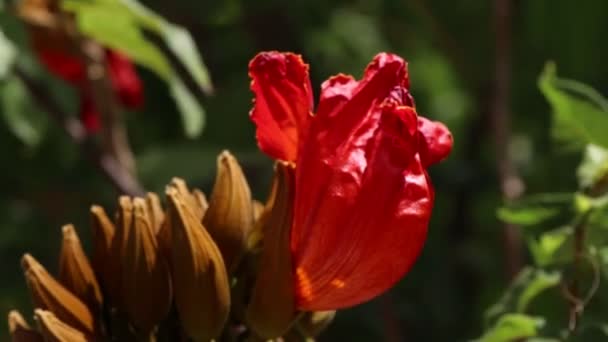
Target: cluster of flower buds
186 272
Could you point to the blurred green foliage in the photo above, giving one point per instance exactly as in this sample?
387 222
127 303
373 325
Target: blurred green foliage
46 182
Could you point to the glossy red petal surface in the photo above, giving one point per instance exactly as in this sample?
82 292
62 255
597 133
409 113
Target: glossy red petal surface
283 103
367 220
435 141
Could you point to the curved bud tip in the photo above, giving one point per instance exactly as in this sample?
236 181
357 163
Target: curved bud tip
48 294
53 329
229 217
75 271
19 330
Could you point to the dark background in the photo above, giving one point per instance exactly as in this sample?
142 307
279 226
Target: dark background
454 49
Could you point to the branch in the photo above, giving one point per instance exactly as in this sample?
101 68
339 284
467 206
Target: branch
121 178
511 184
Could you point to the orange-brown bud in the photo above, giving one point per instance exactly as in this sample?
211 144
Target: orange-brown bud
75 271
202 293
19 329
146 285
48 294
155 211
230 215
124 220
271 310
103 231
54 330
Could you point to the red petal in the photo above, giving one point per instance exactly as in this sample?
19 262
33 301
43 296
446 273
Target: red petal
435 141
63 65
283 102
367 220
89 116
125 80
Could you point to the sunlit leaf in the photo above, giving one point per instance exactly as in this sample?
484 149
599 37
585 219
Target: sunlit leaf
511 327
540 281
177 39
118 30
593 166
535 209
580 114
120 25
549 248
193 115
180 42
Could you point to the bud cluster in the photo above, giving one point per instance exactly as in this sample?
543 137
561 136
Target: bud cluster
196 270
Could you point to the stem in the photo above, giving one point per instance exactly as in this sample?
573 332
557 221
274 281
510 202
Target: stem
510 183
113 130
122 180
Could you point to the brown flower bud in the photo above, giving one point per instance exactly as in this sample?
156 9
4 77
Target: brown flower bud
54 330
48 294
75 271
19 329
271 310
103 231
124 220
230 215
146 285
155 211
202 292
200 203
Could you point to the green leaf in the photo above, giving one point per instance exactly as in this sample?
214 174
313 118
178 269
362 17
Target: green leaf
526 286
550 248
536 209
7 55
541 280
180 42
193 114
511 327
26 122
177 39
118 30
119 24
593 167
580 114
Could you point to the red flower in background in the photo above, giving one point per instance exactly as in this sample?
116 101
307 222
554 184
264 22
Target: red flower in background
121 72
363 198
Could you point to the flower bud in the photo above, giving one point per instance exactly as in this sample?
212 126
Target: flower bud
124 220
54 330
103 231
230 214
75 271
19 329
146 285
202 292
272 310
155 211
195 201
48 294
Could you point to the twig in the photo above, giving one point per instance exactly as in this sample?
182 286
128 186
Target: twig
123 180
510 183
113 130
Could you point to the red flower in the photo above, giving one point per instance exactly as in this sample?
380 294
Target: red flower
363 198
70 68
